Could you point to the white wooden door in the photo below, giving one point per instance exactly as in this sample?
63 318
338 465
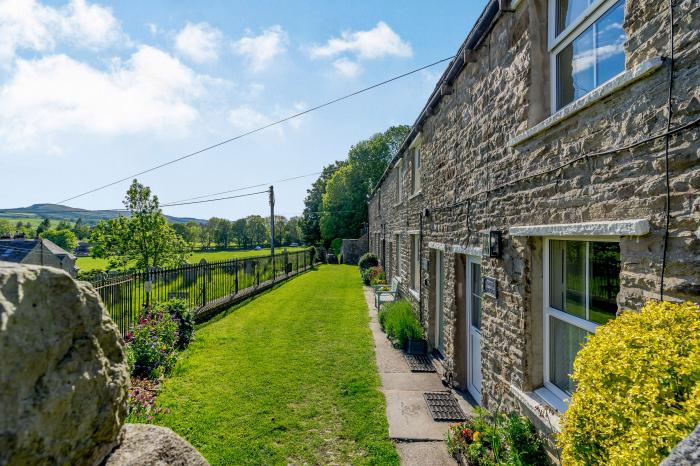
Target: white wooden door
473 275
439 302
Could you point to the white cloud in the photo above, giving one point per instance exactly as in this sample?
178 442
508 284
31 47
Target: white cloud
27 24
262 49
151 92
377 42
347 67
585 60
199 42
246 118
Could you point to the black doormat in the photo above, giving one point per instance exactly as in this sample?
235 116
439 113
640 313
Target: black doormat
419 362
443 406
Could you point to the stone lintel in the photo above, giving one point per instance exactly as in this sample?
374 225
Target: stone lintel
637 227
622 80
438 246
468 250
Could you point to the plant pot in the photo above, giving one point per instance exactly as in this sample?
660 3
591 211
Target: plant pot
419 346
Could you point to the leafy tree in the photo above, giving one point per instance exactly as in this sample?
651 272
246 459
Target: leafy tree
310 221
43 226
63 238
145 236
5 227
63 225
81 229
239 230
258 230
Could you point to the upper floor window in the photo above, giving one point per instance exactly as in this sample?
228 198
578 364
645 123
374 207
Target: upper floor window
586 44
416 175
399 180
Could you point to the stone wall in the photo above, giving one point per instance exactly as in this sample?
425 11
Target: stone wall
480 173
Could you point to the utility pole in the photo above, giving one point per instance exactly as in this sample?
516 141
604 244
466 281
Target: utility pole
272 230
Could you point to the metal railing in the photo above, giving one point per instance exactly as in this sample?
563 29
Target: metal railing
125 294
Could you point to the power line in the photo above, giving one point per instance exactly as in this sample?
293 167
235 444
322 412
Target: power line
213 200
258 129
250 187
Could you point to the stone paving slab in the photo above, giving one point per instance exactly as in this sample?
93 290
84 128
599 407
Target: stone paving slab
409 417
424 454
418 381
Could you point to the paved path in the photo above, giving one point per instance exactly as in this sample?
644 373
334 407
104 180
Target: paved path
419 440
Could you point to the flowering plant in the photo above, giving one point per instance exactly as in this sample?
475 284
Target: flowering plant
142 400
151 344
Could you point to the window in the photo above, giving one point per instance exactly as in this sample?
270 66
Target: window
399 181
416 175
586 44
582 284
415 262
398 256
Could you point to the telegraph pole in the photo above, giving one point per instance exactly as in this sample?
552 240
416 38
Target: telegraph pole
272 230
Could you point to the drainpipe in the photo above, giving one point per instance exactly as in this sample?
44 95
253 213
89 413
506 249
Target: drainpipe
420 266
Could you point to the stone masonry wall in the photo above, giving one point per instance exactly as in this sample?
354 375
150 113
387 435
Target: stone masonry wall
469 171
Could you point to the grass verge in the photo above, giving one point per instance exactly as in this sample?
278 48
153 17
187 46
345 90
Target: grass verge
288 378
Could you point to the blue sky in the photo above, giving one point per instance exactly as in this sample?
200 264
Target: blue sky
92 92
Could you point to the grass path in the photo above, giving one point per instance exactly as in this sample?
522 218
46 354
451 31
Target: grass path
288 378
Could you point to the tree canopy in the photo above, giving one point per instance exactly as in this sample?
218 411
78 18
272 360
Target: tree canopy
336 204
63 238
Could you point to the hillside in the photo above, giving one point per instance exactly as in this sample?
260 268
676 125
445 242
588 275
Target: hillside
36 212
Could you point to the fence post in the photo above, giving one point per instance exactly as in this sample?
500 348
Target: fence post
203 273
236 276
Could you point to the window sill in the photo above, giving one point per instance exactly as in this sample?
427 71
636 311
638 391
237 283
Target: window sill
540 407
624 79
398 204
414 195
414 293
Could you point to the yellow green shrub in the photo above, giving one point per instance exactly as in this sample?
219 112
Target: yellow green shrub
638 388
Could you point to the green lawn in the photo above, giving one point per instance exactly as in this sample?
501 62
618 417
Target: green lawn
288 378
88 264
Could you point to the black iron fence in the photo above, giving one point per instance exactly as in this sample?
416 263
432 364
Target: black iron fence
125 294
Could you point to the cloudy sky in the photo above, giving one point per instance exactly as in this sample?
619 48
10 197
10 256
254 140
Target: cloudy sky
93 92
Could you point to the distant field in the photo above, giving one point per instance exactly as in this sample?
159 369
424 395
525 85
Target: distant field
32 219
88 264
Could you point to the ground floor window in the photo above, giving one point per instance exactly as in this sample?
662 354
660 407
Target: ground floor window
582 283
415 262
398 256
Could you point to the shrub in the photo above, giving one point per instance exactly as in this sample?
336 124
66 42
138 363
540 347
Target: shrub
151 344
638 388
336 246
183 315
367 261
312 254
376 276
496 439
399 322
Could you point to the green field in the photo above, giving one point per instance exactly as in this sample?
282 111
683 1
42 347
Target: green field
25 218
288 378
88 264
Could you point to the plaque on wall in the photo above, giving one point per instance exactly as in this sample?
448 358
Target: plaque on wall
490 287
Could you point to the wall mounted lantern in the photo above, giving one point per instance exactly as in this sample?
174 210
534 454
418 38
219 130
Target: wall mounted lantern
491 243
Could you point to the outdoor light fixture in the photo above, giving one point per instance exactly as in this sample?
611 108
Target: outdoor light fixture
491 243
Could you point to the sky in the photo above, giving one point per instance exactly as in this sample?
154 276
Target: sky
91 92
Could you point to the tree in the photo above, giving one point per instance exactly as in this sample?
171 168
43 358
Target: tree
63 225
258 230
5 227
145 236
344 205
310 220
240 232
63 238
81 229
43 226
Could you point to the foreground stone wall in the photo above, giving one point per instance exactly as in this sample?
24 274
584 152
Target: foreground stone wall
473 153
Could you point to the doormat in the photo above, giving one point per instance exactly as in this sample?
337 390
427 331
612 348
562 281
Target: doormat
443 406
419 363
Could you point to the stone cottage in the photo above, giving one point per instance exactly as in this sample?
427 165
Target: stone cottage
550 181
38 251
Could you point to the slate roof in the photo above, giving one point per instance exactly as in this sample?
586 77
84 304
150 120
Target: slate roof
15 250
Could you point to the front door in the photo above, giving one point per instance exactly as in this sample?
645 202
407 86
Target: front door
474 327
439 302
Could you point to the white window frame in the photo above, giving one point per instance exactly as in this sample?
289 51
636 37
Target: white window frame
415 262
416 170
399 181
557 43
398 256
555 396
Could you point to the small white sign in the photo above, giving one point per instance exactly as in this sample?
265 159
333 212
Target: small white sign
148 286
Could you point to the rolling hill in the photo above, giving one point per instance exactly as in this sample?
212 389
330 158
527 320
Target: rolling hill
37 212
